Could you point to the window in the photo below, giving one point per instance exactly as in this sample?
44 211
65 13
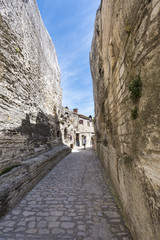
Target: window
65 133
81 121
88 124
58 134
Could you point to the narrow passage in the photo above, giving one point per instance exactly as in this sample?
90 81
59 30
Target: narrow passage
71 203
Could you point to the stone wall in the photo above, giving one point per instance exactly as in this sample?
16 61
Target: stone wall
125 59
21 179
30 92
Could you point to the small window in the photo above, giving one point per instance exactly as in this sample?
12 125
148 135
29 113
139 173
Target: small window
58 134
81 121
88 124
65 133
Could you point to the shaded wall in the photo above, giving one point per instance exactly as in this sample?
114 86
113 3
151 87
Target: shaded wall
126 49
30 92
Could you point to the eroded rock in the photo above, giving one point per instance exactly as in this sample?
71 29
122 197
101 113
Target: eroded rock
30 91
125 47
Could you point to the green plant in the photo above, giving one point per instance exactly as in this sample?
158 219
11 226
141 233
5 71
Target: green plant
128 28
6 170
17 49
135 88
134 113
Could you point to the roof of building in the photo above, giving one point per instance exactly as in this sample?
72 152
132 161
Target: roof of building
82 116
78 114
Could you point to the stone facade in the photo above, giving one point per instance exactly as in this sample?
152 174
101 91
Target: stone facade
30 91
125 59
74 127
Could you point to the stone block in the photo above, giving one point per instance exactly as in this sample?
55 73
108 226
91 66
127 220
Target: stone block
155 11
16 183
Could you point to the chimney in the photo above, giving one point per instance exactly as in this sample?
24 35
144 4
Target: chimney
75 110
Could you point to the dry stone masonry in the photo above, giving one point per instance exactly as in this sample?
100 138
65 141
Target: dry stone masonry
30 98
125 58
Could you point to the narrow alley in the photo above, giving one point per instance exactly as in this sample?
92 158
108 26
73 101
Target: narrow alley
72 202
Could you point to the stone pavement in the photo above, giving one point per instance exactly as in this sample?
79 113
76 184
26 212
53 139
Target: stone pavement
71 203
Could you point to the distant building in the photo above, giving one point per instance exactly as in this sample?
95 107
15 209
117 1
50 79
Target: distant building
74 127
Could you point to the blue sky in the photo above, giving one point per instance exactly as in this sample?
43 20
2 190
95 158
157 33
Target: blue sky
70 24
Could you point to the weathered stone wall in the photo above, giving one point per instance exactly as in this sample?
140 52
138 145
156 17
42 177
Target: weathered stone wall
21 179
126 47
30 92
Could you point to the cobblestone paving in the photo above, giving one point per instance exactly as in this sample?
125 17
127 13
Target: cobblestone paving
71 203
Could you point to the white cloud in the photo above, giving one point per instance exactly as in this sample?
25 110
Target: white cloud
72 35
83 100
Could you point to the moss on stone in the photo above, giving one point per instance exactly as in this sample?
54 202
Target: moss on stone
135 88
17 49
134 113
8 169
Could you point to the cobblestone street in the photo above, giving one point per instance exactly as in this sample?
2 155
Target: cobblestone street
71 203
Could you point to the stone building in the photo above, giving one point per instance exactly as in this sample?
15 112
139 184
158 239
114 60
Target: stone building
125 58
74 127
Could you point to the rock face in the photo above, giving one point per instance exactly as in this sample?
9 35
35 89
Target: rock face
30 92
125 59
30 101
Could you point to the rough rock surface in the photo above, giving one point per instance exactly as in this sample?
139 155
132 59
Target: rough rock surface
126 47
30 101
30 92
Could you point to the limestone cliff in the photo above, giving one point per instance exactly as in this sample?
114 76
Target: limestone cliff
125 59
30 92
